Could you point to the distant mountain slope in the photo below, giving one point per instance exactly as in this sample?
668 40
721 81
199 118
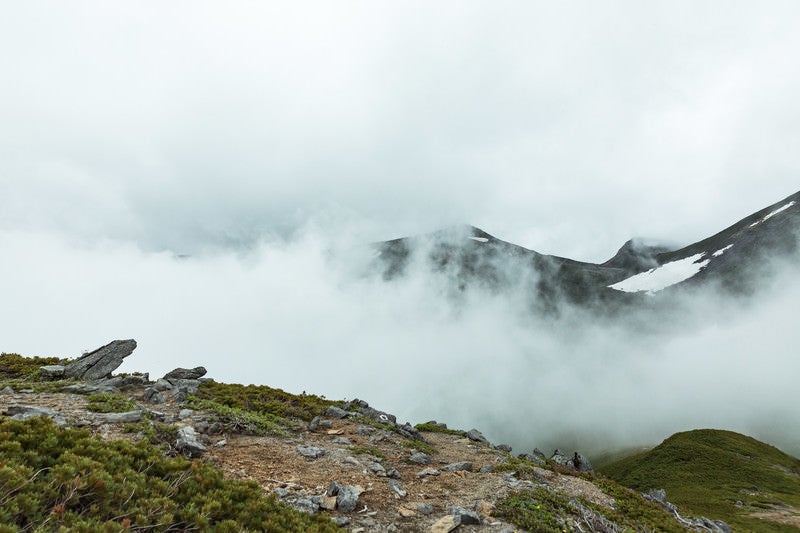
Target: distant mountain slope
720 474
735 258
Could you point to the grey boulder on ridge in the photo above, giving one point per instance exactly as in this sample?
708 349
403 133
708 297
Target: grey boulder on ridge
101 362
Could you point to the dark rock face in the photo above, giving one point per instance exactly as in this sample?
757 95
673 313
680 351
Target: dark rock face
186 373
577 462
101 362
477 436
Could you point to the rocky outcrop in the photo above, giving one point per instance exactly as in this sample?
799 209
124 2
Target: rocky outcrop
186 373
187 442
577 462
101 362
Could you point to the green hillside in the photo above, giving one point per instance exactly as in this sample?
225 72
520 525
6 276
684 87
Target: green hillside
722 475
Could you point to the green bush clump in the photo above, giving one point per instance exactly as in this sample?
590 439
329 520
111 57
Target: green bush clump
265 400
237 420
433 428
59 480
106 402
15 366
537 510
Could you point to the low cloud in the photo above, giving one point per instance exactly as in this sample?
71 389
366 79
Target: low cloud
308 314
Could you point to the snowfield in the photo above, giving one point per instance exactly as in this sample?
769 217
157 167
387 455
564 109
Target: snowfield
660 278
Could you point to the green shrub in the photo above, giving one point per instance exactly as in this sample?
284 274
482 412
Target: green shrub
238 420
106 402
53 479
15 366
433 428
264 400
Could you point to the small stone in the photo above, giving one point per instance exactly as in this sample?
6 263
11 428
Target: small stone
395 486
220 443
393 473
406 513
7 390
364 431
342 440
487 469
347 499
377 468
445 525
311 452
328 503
421 458
341 521
424 508
151 395
162 385
187 442
459 467
503 448
185 413
350 460
477 436
333 489
306 505
428 472
464 516
335 412
280 492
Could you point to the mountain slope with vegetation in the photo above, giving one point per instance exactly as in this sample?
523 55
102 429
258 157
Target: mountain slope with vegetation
119 457
748 484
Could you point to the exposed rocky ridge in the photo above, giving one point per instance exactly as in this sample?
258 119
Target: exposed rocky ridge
366 477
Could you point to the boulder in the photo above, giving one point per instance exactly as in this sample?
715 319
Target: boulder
185 373
51 372
7 390
395 486
462 466
101 362
464 516
421 458
26 412
312 452
347 499
477 436
335 412
187 442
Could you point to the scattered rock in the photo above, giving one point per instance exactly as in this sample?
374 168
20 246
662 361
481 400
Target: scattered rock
187 442
341 521
380 416
487 469
421 458
185 373
342 440
311 452
503 448
185 413
393 473
121 418
280 492
581 463
364 431
458 467
464 516
424 508
101 362
26 412
477 436
328 503
395 486
151 395
51 372
306 505
406 513
333 489
7 390
377 468
162 385
407 430
445 525
135 380
428 472
350 460
90 388
335 412
347 499
576 462
484 508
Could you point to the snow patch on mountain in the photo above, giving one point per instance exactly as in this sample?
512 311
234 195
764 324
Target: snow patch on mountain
721 251
782 208
660 278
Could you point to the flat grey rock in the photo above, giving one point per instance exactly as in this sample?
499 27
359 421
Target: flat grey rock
187 442
477 436
121 418
420 458
51 372
462 466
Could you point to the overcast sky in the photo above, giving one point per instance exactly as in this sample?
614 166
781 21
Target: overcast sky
567 128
